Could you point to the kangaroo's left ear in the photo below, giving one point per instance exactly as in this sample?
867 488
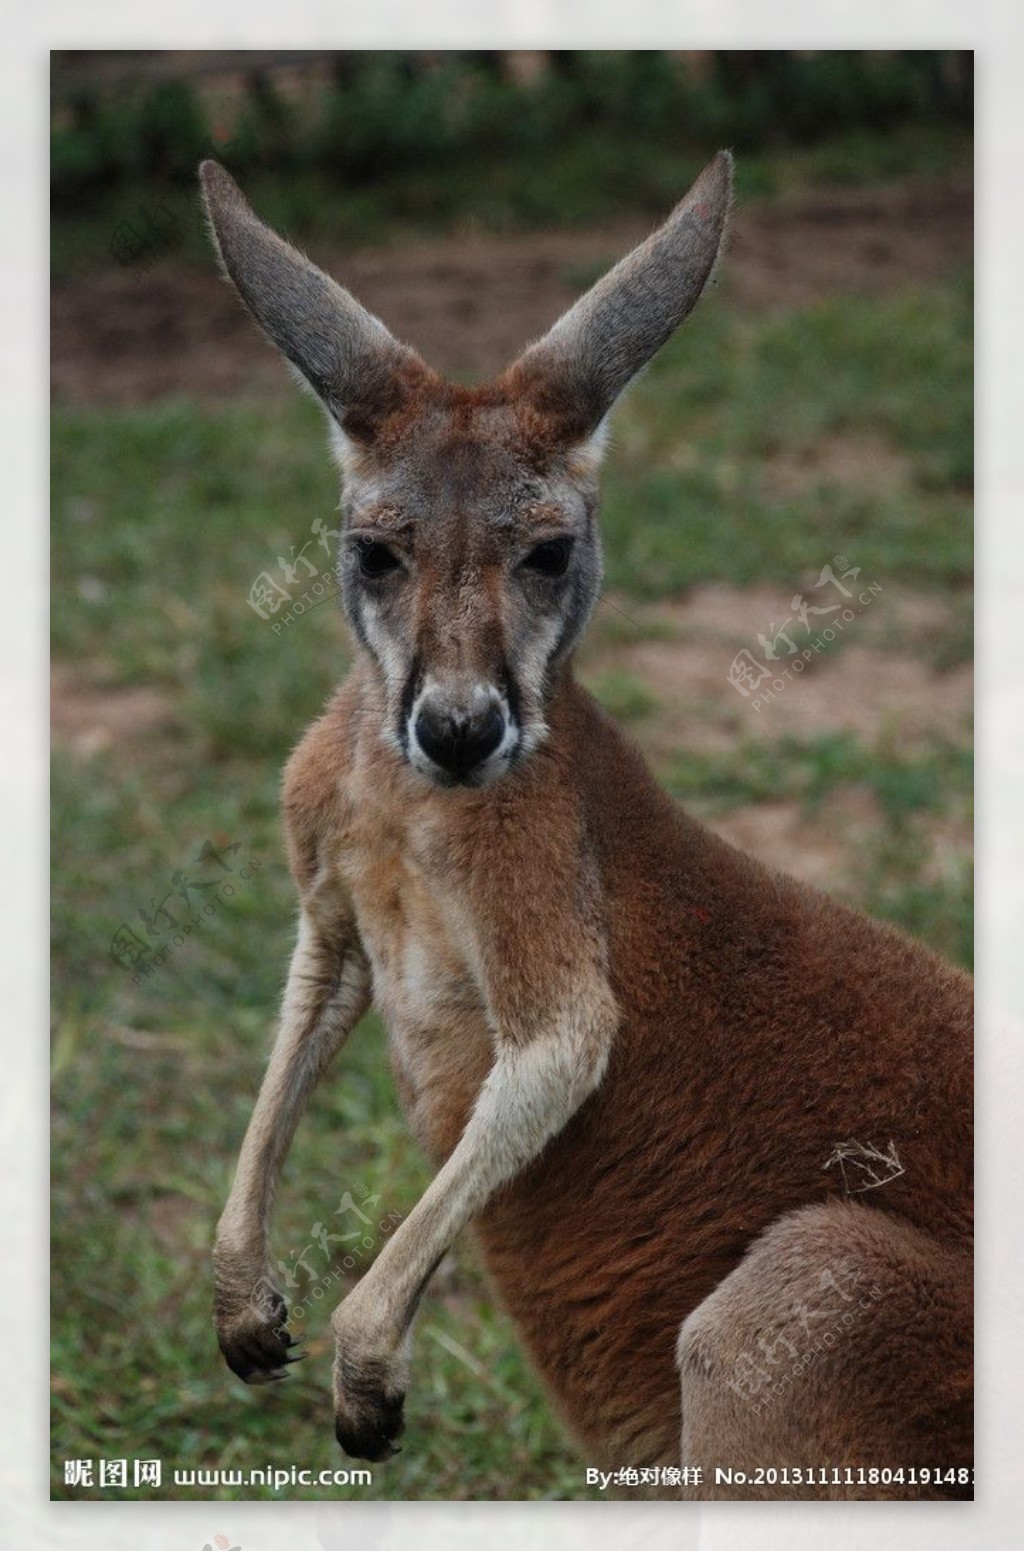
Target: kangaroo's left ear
359 370
576 372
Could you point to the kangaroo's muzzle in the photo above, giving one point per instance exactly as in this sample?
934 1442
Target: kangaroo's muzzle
461 742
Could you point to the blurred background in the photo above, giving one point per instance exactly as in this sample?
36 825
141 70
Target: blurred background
788 502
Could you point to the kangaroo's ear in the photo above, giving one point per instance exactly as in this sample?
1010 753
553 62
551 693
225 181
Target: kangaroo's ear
347 356
577 371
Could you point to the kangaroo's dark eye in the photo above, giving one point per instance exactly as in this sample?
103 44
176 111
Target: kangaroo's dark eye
376 559
550 558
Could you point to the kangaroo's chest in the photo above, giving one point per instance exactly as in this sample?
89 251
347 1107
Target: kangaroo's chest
424 984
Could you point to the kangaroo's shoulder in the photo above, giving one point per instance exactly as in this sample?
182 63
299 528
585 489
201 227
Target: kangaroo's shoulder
314 789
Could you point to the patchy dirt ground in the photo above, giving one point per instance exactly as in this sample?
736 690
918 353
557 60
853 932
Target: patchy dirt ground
470 303
878 682
88 718
881 684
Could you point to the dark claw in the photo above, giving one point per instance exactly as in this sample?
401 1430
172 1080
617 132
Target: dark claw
372 1436
258 1355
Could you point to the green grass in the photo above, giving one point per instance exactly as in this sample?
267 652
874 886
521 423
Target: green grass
624 695
807 770
688 494
163 517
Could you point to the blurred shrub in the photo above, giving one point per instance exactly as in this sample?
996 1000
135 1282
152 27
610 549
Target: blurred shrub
394 110
267 131
107 139
389 114
170 127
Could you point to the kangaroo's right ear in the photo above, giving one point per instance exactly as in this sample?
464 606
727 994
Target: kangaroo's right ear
577 371
356 367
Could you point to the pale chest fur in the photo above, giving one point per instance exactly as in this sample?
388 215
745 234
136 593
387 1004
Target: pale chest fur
421 954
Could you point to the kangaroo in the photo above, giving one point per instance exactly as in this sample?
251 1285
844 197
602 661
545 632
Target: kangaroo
630 1050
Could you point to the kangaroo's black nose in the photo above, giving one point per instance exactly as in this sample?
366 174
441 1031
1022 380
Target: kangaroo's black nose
458 741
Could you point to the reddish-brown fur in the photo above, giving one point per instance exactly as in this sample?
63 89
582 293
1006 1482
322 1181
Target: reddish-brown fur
753 1043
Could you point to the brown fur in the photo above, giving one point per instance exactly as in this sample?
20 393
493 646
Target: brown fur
762 1023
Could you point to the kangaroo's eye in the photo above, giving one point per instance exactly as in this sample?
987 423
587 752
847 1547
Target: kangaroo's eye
550 558
376 559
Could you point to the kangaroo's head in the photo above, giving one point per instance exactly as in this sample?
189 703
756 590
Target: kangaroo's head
471 558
